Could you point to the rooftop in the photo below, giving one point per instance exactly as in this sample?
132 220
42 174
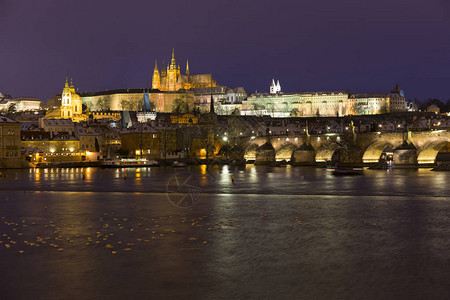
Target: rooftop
4 119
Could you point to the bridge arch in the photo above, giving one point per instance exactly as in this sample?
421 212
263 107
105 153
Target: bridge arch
374 151
429 152
285 152
326 151
250 152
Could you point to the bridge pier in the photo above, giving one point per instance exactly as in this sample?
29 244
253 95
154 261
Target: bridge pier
305 155
265 154
405 155
350 155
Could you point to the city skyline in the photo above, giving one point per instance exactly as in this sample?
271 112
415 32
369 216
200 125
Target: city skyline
362 47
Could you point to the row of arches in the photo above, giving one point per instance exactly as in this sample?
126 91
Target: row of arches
326 151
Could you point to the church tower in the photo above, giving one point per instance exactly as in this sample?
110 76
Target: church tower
275 88
76 102
156 81
173 73
187 68
66 102
71 104
278 87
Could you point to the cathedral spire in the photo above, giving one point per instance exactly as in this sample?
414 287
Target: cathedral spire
187 67
71 83
156 80
67 84
173 64
163 71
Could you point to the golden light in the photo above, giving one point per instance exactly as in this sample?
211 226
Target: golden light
138 152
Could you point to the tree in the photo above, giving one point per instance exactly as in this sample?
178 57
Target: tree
236 112
295 112
101 104
12 108
180 106
126 105
424 105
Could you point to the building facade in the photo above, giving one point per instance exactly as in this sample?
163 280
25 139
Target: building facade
21 104
10 155
171 79
226 99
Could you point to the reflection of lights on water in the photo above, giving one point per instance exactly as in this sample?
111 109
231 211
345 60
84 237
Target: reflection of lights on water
253 177
203 169
225 169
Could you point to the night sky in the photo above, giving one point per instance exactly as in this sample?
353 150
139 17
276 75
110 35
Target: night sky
358 45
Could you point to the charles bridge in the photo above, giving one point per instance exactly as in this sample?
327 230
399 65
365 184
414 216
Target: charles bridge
406 148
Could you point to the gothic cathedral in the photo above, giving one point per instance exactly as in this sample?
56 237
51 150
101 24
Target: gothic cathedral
171 79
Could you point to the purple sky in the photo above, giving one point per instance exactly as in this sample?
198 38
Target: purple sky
358 45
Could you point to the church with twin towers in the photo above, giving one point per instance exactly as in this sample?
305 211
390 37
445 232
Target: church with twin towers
171 79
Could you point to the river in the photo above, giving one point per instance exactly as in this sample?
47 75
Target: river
225 232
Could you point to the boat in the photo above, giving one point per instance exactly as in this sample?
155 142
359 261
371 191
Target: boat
129 163
339 170
179 164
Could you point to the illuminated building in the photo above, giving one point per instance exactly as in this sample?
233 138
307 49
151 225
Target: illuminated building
323 104
187 118
226 99
131 100
10 155
95 137
146 114
71 106
433 108
21 104
371 104
70 103
141 140
275 88
171 79
55 126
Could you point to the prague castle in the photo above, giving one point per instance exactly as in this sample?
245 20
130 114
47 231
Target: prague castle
172 91
171 79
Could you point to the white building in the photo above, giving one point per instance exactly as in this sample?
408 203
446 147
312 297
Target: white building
275 88
323 104
21 104
226 99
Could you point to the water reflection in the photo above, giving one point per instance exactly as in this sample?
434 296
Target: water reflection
248 179
274 233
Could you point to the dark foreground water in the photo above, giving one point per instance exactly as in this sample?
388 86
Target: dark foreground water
273 233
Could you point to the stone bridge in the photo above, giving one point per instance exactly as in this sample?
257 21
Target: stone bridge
407 148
